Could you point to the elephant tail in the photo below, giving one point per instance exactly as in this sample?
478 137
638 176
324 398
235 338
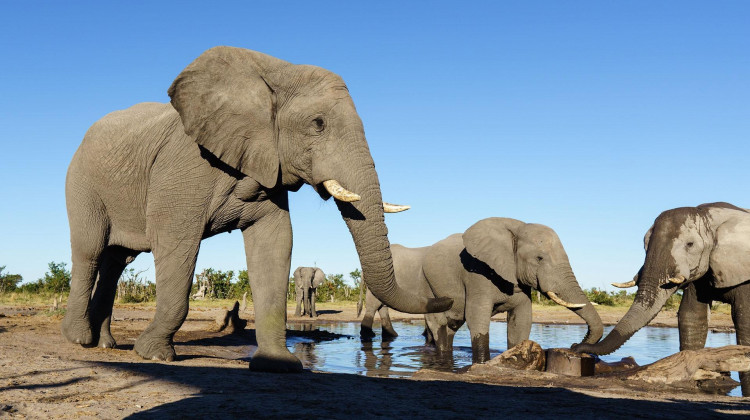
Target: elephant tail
362 288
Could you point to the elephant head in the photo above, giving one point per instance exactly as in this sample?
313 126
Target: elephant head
683 245
274 124
308 277
533 256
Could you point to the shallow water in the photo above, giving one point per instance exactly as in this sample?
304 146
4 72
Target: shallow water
406 354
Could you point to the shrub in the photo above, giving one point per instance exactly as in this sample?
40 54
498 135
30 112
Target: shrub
56 280
134 289
8 282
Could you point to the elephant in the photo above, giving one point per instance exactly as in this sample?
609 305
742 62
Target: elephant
306 281
490 268
703 250
241 131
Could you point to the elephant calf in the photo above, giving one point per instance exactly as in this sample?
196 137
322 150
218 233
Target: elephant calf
490 268
306 282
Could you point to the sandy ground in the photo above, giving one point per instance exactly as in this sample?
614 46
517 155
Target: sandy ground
42 376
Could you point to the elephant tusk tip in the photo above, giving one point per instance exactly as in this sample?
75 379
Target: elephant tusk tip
394 208
624 285
340 193
558 300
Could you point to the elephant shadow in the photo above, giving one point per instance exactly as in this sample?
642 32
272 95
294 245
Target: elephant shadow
328 311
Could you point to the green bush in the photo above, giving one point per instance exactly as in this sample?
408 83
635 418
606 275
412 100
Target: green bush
133 289
56 280
8 282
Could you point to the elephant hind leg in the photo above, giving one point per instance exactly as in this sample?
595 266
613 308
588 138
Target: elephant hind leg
112 263
739 298
89 229
372 305
389 332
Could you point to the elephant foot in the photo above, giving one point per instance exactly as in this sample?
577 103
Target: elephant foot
389 333
77 331
279 362
154 349
366 334
106 341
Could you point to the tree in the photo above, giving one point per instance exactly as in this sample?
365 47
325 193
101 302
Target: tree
57 279
8 282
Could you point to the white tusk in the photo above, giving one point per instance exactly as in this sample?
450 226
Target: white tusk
631 283
340 193
561 302
677 280
394 208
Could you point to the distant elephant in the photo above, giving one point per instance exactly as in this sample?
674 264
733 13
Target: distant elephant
242 130
490 268
306 282
705 251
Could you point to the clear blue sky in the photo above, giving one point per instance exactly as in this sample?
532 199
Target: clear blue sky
587 116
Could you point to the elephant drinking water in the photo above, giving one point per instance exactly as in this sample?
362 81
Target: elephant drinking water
490 268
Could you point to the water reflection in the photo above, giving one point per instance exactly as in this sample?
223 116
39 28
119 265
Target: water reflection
406 354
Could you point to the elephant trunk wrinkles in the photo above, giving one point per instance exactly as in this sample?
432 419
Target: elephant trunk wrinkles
647 303
366 223
570 291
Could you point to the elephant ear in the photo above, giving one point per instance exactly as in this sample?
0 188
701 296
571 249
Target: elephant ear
647 237
318 278
730 259
229 109
493 242
297 274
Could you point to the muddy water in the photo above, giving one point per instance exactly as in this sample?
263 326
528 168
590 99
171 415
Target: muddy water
406 354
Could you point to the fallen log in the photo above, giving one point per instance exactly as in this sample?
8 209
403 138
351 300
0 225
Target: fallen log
526 355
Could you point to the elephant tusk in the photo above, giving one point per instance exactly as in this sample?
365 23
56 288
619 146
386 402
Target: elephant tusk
631 283
394 208
340 193
561 302
677 279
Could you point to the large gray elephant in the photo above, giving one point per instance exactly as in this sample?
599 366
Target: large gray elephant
490 268
306 282
705 251
242 130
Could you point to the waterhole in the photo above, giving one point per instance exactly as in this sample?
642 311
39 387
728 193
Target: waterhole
343 352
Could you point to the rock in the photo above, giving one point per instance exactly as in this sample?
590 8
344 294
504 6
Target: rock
568 362
527 355
624 364
230 320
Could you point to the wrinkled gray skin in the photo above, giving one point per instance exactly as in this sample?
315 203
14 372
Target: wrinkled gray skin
242 130
491 268
306 282
710 246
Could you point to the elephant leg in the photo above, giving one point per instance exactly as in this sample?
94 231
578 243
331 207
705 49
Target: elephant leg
372 305
387 327
313 313
88 236
268 247
740 301
429 339
175 267
298 296
692 319
519 320
438 326
113 263
306 300
478 316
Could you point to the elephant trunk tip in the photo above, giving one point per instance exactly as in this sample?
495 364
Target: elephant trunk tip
440 304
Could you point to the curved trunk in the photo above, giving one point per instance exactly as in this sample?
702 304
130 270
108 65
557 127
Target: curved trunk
569 290
647 304
366 223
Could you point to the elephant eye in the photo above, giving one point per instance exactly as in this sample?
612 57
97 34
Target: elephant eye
320 125
539 258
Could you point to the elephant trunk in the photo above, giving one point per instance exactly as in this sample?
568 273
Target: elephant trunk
570 291
647 303
366 222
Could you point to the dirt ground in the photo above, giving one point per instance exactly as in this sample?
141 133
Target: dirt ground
42 376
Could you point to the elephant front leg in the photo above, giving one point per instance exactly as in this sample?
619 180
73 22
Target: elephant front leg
298 296
268 247
692 319
478 316
372 305
313 298
519 320
740 302
388 331
175 266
